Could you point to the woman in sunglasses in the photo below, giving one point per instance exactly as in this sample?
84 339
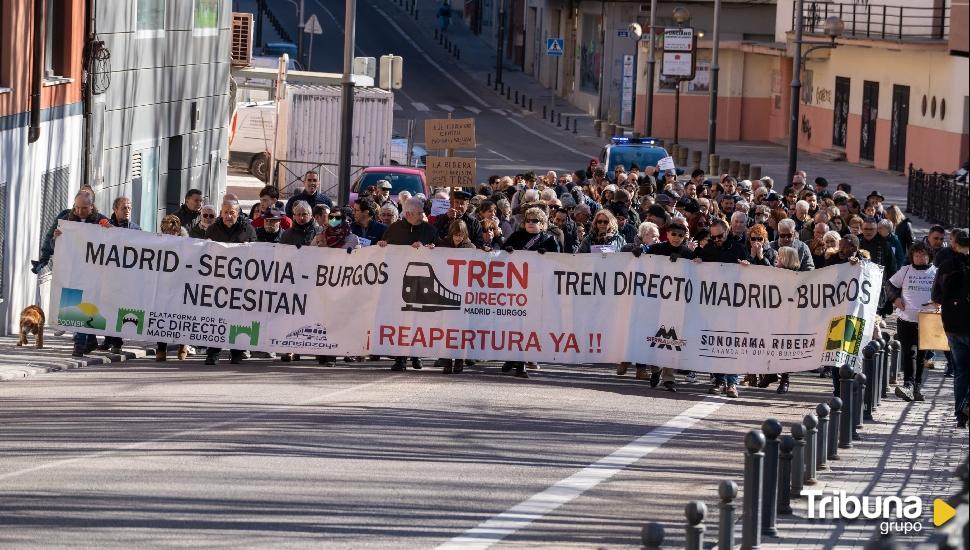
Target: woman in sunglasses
759 253
206 217
604 234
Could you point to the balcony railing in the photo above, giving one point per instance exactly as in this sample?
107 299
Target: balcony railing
879 21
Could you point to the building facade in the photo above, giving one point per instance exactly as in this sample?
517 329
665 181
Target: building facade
40 164
149 123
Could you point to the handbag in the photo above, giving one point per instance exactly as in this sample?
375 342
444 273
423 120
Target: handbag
931 333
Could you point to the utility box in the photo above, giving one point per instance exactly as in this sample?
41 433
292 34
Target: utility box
392 72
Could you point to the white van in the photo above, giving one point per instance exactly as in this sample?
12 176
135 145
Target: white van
251 133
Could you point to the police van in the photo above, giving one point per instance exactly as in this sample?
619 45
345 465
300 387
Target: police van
629 151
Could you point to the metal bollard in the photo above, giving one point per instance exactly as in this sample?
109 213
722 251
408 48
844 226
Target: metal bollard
575 125
786 446
859 382
508 93
724 166
811 448
712 162
846 390
567 123
695 512
530 103
728 491
652 536
543 112
884 371
745 171
798 460
695 160
457 53
835 404
734 168
516 97
870 354
436 33
876 380
754 457
415 14
755 173
769 495
559 119
488 79
822 445
894 348
523 101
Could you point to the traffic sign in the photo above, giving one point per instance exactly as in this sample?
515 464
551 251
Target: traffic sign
555 46
678 39
312 25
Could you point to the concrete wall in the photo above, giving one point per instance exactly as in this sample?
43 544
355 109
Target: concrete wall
168 100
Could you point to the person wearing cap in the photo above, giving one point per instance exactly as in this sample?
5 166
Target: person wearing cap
269 230
875 199
951 290
382 192
310 194
365 224
459 211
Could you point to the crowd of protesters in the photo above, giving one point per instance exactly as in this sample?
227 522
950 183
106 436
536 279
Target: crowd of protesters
801 225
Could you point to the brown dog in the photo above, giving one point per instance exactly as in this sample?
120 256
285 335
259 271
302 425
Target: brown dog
32 321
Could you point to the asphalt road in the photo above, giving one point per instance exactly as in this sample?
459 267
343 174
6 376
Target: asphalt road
296 455
508 140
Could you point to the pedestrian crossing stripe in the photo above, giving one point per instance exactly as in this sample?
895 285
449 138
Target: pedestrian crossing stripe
448 108
420 107
473 110
397 107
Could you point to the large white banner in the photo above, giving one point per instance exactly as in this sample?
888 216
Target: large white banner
459 303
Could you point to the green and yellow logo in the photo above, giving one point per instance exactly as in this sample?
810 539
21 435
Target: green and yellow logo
845 334
130 317
252 331
74 312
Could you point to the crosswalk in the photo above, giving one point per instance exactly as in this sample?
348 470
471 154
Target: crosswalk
445 108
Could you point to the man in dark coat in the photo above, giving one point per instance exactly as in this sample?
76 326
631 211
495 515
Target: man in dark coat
459 211
191 208
950 290
304 229
311 194
365 222
229 228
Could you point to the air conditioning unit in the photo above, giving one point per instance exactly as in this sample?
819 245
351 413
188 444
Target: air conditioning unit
242 39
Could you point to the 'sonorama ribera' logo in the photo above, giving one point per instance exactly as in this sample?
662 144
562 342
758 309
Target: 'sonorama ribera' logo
666 338
422 291
845 334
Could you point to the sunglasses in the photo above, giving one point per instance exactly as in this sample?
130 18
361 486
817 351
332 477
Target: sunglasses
785 235
716 237
676 234
757 239
208 216
533 220
604 222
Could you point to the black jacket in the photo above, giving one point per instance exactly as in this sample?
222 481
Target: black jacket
186 216
731 253
126 224
312 200
262 236
240 232
474 227
373 232
880 252
950 290
300 235
664 248
402 232
521 238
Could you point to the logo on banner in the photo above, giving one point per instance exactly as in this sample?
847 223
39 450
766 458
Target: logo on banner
666 338
74 312
130 321
308 336
845 334
422 291
251 331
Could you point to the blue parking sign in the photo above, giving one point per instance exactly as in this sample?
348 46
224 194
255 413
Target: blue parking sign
554 46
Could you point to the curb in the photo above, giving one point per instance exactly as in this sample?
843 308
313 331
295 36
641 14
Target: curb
33 367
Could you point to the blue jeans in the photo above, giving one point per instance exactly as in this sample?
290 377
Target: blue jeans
728 379
960 349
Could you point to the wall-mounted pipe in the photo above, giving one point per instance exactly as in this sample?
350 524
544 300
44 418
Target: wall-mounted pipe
38 72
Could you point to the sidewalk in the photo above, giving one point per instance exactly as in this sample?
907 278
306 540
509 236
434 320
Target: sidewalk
21 362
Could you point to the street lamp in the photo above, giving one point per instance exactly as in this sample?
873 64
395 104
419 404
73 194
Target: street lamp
680 15
636 31
651 69
712 94
833 29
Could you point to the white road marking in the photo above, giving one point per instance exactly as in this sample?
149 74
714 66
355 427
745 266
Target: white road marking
499 112
420 106
473 110
397 107
427 58
539 505
448 108
208 427
499 154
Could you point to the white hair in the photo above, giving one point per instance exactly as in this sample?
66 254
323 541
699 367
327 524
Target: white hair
802 205
647 228
739 216
298 204
530 195
743 206
888 224
788 258
583 208
834 234
788 224
403 196
548 195
414 204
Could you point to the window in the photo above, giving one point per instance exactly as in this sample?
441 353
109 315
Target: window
205 17
150 18
55 35
54 197
144 188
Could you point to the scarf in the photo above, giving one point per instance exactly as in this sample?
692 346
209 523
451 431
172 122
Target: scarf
336 236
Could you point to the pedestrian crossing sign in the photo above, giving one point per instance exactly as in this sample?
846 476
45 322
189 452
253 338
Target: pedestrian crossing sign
554 46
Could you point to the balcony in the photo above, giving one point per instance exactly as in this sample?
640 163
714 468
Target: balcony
881 21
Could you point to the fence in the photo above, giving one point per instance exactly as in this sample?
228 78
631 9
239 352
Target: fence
879 20
937 198
289 174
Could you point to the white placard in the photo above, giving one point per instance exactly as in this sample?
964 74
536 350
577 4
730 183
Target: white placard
678 64
440 207
666 163
678 39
